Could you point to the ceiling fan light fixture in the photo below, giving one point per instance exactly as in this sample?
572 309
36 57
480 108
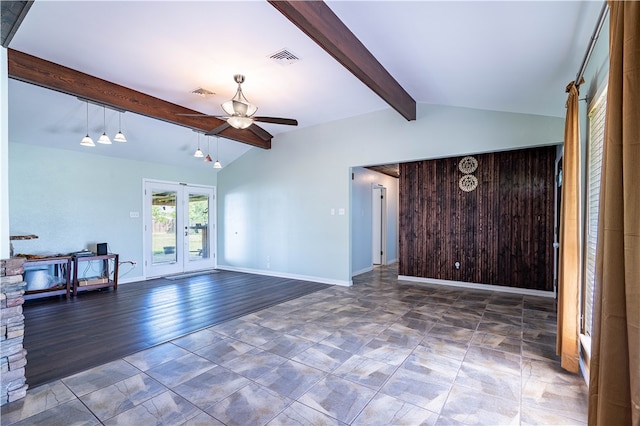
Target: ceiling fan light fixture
228 107
238 108
240 122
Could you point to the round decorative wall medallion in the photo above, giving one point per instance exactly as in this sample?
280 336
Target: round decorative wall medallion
468 164
468 183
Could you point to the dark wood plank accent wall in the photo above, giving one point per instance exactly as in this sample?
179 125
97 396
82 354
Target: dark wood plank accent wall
501 232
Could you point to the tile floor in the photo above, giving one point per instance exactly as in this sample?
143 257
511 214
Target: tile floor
381 352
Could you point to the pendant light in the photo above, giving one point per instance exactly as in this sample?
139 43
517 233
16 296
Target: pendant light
119 137
217 164
104 139
208 159
87 141
198 153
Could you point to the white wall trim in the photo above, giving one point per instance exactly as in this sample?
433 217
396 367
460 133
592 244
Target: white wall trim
477 286
314 279
585 345
131 280
362 271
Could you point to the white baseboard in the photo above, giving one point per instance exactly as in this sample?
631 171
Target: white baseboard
585 349
270 273
362 271
131 280
477 286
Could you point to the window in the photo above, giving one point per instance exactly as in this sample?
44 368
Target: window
597 112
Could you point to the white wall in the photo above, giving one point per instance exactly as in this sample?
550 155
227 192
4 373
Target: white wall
274 205
4 156
361 218
72 200
595 78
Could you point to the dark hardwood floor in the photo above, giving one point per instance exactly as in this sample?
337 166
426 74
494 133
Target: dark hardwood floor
66 336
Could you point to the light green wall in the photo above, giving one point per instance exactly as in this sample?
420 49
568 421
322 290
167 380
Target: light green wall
72 200
274 206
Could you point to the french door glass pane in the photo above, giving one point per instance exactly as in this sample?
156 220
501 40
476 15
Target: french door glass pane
163 221
198 226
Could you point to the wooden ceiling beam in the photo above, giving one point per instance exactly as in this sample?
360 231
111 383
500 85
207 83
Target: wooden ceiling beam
319 22
40 72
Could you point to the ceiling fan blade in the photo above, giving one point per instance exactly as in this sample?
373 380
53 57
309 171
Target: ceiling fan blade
217 129
201 115
260 132
276 120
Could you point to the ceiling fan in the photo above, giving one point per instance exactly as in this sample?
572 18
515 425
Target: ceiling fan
240 114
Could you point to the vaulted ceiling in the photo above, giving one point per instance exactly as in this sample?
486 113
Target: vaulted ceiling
351 58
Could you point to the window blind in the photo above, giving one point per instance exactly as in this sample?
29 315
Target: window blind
594 163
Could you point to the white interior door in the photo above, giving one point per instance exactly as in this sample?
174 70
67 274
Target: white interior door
179 228
378 231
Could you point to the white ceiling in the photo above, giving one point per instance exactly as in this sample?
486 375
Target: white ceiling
513 56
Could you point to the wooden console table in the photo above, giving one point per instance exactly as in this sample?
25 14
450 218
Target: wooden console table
60 276
103 281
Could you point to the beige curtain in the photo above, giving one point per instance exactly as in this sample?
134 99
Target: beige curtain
569 264
614 389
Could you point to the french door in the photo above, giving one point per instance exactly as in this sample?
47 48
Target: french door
179 228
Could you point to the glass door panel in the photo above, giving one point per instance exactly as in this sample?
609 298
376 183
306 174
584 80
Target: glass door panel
199 228
164 236
198 232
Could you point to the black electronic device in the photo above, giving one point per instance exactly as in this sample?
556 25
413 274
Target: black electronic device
101 249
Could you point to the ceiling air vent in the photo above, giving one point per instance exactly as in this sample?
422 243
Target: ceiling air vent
284 57
202 92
